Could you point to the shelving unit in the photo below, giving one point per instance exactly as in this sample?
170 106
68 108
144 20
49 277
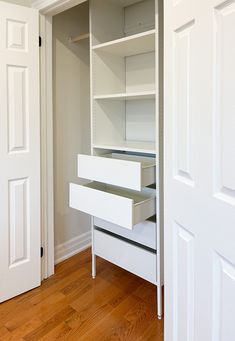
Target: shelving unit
124 54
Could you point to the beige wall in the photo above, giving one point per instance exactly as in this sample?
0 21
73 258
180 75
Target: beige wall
20 2
71 116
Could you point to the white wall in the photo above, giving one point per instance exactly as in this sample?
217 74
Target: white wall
71 125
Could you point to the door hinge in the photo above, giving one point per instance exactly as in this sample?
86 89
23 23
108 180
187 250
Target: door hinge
40 41
42 251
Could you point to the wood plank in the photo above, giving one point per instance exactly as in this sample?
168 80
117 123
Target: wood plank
71 305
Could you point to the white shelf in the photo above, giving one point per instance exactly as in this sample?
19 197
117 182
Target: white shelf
128 96
130 146
136 44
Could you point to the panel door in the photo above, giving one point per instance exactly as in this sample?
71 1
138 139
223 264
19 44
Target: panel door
19 151
199 170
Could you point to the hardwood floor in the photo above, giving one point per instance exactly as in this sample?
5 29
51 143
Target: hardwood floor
72 306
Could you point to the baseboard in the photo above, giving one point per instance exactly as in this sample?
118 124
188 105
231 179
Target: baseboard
72 247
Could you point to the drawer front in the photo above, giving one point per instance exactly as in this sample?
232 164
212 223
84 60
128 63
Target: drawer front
111 207
113 171
135 259
143 233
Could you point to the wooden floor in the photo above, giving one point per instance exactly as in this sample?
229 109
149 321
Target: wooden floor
72 306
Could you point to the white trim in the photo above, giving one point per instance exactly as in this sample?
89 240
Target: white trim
53 7
48 8
47 197
72 247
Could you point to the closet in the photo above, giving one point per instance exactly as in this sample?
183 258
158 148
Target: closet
123 192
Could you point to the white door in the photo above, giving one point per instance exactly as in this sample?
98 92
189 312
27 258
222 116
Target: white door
19 151
199 170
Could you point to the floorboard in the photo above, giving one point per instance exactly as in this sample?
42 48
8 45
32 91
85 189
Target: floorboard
72 306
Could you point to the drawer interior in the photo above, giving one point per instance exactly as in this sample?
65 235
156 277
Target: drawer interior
138 197
145 161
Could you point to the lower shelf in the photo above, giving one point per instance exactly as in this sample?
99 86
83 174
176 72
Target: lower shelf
133 258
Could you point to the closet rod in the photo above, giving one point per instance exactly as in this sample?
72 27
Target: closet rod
79 38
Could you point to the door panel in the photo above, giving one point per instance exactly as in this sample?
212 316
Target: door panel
223 299
19 151
199 170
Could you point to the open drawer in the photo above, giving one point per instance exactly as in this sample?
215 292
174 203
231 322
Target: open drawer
123 170
125 208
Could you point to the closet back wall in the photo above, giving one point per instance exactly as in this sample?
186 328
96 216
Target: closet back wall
71 125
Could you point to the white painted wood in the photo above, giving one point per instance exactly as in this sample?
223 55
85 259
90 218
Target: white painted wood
199 170
127 96
20 266
140 120
123 75
107 20
143 233
129 146
143 42
119 206
159 62
47 182
114 19
140 72
129 171
139 261
140 17
53 7
73 246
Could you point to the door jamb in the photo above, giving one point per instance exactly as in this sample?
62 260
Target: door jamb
47 9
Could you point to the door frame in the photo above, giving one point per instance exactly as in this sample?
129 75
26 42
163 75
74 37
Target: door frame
47 9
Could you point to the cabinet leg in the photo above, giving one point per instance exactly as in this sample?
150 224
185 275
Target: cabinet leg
93 265
159 302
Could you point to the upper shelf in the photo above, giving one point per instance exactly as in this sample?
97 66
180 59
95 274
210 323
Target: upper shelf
135 44
128 96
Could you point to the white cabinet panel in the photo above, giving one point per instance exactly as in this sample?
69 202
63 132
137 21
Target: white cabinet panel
182 100
119 206
129 171
223 299
17 35
224 102
183 260
17 78
143 233
139 261
18 221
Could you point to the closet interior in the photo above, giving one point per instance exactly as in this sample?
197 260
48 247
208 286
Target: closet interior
123 191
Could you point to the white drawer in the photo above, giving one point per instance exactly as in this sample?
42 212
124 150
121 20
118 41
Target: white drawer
118 206
143 233
135 259
128 171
